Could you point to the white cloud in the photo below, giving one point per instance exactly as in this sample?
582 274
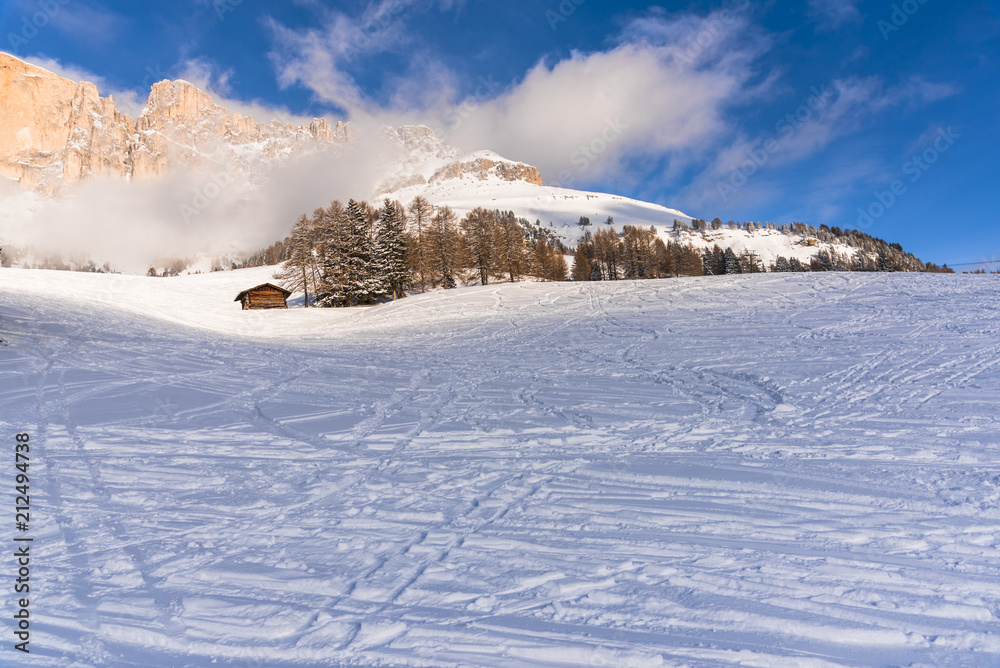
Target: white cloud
821 117
318 58
584 115
87 23
927 139
917 91
832 14
182 214
663 89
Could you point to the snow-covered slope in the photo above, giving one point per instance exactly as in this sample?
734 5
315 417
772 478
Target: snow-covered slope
561 208
767 470
548 204
55 132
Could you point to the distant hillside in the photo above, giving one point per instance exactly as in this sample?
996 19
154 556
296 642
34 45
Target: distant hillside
56 133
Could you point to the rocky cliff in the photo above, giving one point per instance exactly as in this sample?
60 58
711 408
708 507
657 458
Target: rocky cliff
182 126
483 168
55 132
52 129
427 160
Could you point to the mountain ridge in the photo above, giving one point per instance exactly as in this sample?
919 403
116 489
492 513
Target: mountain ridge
56 132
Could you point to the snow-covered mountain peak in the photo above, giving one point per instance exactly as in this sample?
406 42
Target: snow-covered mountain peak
173 99
421 142
55 132
426 159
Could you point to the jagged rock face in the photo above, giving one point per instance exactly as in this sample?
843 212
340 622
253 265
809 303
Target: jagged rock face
483 168
427 159
55 132
420 141
181 125
54 129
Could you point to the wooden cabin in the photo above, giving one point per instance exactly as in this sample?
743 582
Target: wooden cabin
264 296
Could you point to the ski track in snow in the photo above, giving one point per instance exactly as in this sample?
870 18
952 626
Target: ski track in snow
770 470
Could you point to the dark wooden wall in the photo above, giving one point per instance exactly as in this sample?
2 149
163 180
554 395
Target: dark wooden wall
264 298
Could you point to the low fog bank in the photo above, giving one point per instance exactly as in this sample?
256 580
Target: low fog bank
222 213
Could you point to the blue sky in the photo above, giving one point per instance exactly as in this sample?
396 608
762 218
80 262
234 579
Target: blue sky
811 111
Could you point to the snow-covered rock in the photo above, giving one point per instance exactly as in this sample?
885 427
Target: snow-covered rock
55 132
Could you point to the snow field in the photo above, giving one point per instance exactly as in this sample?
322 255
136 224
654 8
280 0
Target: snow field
766 470
563 207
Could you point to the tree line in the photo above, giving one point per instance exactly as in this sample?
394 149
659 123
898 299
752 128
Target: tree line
357 254
636 253
870 253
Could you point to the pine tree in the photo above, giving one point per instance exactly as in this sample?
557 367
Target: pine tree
548 263
363 284
664 260
445 248
733 265
301 263
509 244
390 260
370 285
331 242
607 253
557 269
718 260
582 269
479 226
825 260
421 213
689 262
862 262
884 262
637 252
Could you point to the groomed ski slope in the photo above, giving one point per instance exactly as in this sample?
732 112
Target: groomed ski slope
767 470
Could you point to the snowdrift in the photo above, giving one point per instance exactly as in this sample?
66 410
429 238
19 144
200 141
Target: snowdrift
768 470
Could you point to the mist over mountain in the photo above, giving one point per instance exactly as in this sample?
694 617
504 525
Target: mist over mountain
188 182
187 178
